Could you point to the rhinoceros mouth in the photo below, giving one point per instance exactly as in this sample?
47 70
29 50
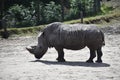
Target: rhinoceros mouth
38 56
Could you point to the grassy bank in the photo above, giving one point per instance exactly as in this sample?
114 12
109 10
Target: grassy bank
102 19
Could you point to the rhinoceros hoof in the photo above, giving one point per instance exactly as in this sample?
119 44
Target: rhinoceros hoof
98 61
89 61
60 60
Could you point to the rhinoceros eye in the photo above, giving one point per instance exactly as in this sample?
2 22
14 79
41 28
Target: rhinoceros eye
40 47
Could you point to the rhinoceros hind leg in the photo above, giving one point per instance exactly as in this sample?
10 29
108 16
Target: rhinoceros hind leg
92 56
60 59
99 61
99 55
60 54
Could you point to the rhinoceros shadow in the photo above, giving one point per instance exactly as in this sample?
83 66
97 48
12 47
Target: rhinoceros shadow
73 63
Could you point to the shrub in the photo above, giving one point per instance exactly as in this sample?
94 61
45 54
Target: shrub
77 6
22 15
52 12
105 9
73 14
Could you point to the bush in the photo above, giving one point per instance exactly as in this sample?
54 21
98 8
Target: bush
28 16
22 15
52 12
105 9
77 6
40 13
73 14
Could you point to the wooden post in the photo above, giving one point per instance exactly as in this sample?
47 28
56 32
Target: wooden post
81 16
5 33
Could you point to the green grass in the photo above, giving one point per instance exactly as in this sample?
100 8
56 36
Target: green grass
101 19
24 31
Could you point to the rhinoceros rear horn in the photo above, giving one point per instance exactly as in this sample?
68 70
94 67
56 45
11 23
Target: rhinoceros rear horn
31 49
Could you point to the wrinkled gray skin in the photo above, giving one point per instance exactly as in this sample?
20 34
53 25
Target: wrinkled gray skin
69 36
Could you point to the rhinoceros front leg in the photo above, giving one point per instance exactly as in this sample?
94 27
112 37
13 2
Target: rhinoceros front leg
92 56
99 55
60 54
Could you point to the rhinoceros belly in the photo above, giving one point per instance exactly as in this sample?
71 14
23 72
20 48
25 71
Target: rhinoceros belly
73 40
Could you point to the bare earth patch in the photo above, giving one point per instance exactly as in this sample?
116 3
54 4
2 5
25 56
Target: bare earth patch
17 64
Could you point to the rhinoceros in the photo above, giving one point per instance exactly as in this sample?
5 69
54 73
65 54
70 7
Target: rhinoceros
69 36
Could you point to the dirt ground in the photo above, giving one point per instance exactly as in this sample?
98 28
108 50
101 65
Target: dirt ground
17 64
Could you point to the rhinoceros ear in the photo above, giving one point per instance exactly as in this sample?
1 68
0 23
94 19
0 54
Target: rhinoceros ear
43 34
31 49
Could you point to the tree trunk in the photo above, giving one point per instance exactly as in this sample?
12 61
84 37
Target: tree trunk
5 33
96 6
62 9
1 8
37 12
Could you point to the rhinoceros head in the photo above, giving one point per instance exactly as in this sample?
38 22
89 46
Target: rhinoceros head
37 51
41 48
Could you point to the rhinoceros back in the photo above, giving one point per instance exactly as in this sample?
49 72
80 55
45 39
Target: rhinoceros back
73 36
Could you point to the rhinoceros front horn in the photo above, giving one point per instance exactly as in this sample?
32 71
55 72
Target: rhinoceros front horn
31 49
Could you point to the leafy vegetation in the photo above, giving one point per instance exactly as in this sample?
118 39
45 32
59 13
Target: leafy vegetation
22 15
36 12
105 9
40 12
